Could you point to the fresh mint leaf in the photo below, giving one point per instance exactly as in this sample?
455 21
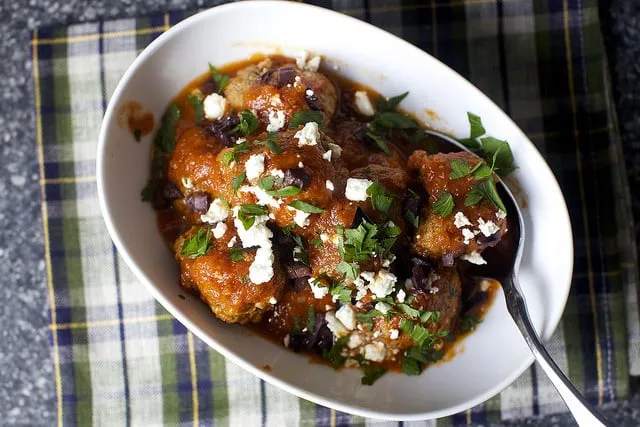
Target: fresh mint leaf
411 366
380 199
395 120
444 205
499 154
165 138
372 374
237 181
271 143
475 125
249 123
196 100
248 213
197 245
351 271
459 169
379 140
236 254
305 207
484 190
385 105
287 191
267 182
222 80
305 116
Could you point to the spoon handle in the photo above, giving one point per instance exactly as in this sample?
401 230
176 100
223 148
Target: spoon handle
582 411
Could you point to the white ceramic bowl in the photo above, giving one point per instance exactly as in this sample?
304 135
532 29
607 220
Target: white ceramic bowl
493 356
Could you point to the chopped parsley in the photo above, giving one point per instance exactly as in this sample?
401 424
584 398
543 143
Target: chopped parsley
334 356
387 118
367 240
484 190
197 245
367 318
340 291
303 254
411 366
222 80
249 123
406 325
409 311
443 206
350 270
232 154
468 323
372 374
236 254
419 334
237 181
248 213
305 116
271 143
425 316
305 207
165 138
380 199
196 100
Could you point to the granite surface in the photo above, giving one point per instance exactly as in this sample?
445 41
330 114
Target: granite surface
26 377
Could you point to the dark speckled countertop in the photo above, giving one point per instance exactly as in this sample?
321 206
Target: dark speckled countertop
26 378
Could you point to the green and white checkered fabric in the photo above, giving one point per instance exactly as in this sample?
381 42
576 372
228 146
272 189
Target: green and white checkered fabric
121 359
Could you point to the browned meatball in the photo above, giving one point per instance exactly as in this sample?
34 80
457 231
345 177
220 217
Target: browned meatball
468 229
223 284
444 295
276 84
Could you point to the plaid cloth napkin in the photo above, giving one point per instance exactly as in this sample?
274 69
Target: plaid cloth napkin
121 359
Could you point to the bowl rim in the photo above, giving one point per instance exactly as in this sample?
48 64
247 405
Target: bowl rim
550 326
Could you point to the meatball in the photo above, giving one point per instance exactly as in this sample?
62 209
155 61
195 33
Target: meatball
222 282
276 86
467 230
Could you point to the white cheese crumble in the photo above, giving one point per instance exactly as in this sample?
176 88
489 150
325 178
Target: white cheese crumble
327 155
232 242
394 334
304 63
356 189
386 263
219 230
383 283
301 218
501 214
401 295
368 275
309 92
263 197
382 307
335 325
308 135
375 352
278 173
363 104
273 301
324 237
275 100
461 220
468 235
276 120
240 141
408 285
300 165
186 183
347 316
355 340
336 150
254 166
261 269
217 212
329 185
487 228
214 106
474 258
318 291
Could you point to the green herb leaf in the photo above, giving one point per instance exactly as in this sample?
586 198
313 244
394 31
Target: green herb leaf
395 120
459 169
334 356
165 138
412 219
248 213
417 354
409 311
305 207
316 243
287 191
411 366
341 292
236 254
419 334
499 154
197 245
406 325
484 190
482 171
384 105
444 205
468 323
305 116
230 155
379 140
147 192
244 279
271 143
267 182
475 124
367 318
237 181
288 228
372 374
311 319
352 271
196 100
222 80
380 199
137 134
249 123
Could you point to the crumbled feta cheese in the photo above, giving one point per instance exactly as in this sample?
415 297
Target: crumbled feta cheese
318 291
434 290
286 340
276 120
383 283
272 216
363 104
219 230
394 334
278 173
309 92
501 214
376 334
301 218
408 285
240 141
474 258
273 301
232 242
329 185
336 150
375 352
313 64
488 228
304 63
382 307
368 275
461 220
328 307
327 155
401 295
468 235
275 100
254 166
214 106
308 135
186 183
261 269
217 212
324 237
263 197
361 287
347 316
258 235
355 340
300 165
386 263
356 189
335 325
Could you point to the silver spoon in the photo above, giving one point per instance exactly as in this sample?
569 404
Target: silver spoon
505 270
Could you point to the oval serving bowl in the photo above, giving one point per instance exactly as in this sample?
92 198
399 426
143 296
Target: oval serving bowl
491 357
